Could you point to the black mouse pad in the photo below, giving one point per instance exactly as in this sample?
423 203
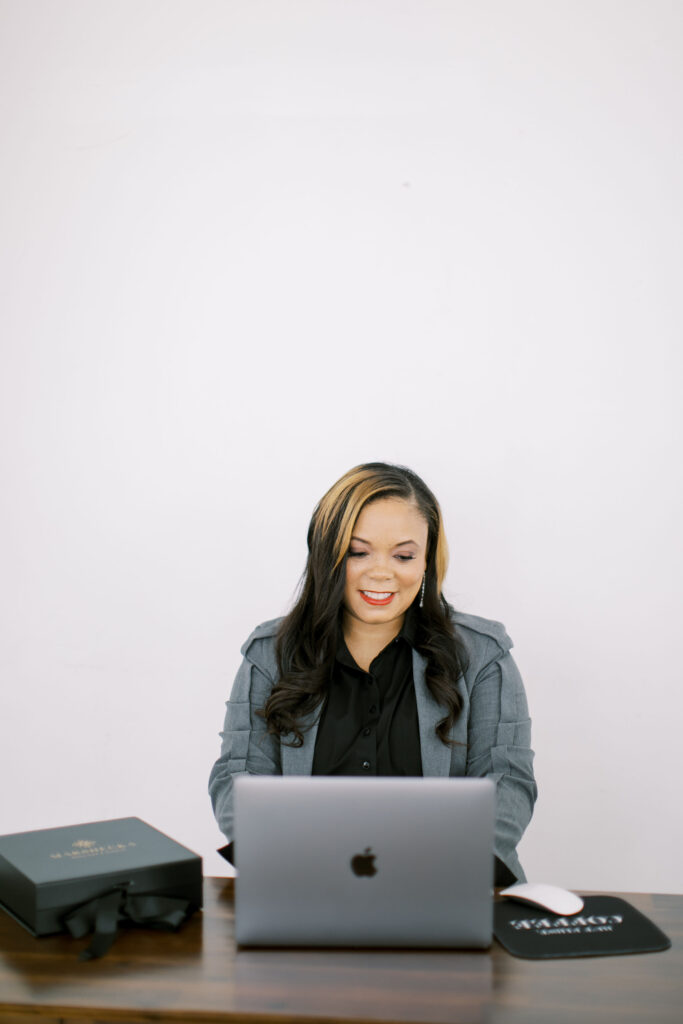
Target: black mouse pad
607 926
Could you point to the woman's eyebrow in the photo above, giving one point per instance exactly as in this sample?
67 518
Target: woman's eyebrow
399 545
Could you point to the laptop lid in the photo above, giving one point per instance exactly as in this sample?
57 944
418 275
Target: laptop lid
343 861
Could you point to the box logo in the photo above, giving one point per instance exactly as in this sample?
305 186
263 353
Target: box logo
81 848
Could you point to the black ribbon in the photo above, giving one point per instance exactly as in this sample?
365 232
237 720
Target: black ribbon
104 914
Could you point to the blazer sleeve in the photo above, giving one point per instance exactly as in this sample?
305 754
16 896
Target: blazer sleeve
499 747
246 747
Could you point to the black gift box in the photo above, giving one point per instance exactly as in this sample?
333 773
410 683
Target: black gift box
45 875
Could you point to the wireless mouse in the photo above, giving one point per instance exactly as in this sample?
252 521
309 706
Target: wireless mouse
549 897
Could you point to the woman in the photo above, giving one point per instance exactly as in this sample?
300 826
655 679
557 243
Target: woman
373 673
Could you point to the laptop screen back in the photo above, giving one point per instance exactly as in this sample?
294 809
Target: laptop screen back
342 861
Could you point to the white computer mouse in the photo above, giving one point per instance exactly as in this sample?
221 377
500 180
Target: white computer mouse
549 897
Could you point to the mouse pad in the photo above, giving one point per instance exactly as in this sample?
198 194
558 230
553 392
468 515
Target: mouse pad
607 926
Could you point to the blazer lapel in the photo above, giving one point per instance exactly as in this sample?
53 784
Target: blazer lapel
436 756
299 760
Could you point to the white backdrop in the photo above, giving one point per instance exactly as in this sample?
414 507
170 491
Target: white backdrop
246 245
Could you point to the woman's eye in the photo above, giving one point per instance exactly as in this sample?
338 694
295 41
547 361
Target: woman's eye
362 554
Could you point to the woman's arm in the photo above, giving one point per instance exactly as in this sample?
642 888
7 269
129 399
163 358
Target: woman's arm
246 748
499 737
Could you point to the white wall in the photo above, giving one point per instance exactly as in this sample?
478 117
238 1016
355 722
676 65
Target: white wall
247 245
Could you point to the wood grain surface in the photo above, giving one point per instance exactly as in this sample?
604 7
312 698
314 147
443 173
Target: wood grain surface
197 974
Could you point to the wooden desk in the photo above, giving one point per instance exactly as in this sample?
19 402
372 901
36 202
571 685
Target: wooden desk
197 975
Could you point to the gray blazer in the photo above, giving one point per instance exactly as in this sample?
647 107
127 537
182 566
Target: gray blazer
493 730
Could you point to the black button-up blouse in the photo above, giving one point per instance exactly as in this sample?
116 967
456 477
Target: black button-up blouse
369 724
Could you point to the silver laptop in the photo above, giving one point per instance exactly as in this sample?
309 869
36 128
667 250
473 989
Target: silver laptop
343 861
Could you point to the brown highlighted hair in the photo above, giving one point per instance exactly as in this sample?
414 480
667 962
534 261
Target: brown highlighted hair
309 636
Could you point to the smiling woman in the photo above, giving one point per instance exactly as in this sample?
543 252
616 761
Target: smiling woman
373 672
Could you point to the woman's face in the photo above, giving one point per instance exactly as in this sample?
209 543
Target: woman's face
386 561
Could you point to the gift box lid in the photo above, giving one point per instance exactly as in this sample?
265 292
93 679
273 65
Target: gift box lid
61 866
54 855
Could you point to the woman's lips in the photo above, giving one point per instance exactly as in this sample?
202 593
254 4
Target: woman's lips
385 597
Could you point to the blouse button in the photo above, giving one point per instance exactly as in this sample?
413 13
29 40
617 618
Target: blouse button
366 732
366 765
373 708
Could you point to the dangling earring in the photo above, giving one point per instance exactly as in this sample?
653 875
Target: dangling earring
422 592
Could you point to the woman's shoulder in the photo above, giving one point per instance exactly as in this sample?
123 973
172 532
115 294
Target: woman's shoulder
259 647
481 636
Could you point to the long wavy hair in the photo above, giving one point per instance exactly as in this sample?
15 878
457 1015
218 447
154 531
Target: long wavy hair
308 637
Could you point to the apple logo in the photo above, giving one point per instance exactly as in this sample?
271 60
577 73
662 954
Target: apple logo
363 864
